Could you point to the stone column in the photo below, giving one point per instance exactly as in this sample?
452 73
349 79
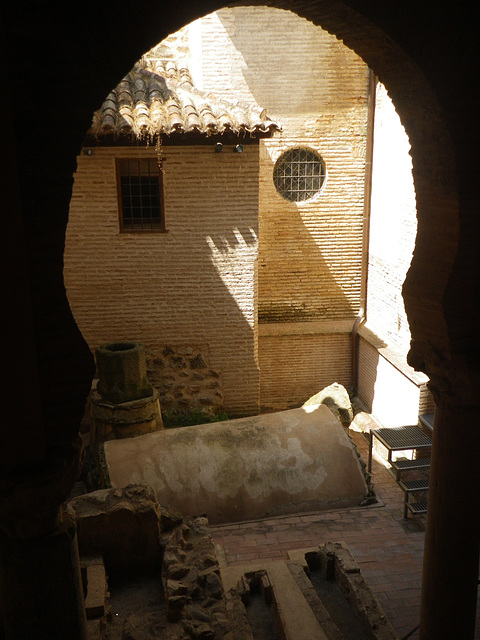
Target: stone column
40 585
450 566
123 372
40 451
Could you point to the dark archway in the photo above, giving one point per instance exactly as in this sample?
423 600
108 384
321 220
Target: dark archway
60 63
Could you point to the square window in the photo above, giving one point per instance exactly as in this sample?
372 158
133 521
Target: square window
140 195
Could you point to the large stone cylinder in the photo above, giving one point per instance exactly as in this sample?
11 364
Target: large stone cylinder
125 403
261 466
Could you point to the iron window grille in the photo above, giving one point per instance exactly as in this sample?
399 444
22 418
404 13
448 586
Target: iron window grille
299 174
140 195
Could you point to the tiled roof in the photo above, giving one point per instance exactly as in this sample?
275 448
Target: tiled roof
158 96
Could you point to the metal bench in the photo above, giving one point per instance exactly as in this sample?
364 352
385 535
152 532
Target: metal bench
408 438
413 486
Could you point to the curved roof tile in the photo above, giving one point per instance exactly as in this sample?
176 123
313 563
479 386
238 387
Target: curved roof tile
158 96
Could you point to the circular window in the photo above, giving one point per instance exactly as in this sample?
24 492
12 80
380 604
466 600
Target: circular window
298 174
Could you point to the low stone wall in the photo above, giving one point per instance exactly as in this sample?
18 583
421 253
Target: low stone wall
337 563
125 534
123 525
194 594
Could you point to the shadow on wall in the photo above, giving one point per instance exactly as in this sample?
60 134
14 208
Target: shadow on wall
230 256
295 282
197 290
187 294
293 88
321 103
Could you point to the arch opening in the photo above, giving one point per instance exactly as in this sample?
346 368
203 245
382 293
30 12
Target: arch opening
430 288
308 306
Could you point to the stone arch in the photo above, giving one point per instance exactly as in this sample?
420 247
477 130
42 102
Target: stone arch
51 99
75 84
74 87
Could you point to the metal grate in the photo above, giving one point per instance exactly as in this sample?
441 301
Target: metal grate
299 174
413 485
140 195
400 465
399 438
407 465
417 507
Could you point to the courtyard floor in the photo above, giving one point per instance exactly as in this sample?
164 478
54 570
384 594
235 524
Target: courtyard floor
388 549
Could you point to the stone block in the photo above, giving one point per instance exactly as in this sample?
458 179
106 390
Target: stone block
96 599
121 524
357 592
194 594
266 588
336 398
343 557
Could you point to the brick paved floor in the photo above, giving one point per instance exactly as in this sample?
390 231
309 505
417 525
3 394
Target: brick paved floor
388 549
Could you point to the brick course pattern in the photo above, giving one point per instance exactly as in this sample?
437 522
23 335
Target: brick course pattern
236 253
196 284
309 266
193 285
297 367
309 252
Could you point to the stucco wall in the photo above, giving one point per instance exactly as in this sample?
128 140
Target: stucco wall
191 287
309 252
393 224
389 387
281 463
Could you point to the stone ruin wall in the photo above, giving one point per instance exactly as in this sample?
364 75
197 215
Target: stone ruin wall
184 379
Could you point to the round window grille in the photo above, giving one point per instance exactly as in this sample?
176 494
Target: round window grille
298 174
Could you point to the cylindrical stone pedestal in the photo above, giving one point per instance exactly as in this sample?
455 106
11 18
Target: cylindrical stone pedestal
125 404
126 420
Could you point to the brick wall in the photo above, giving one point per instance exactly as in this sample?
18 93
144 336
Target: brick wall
309 253
295 366
192 287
